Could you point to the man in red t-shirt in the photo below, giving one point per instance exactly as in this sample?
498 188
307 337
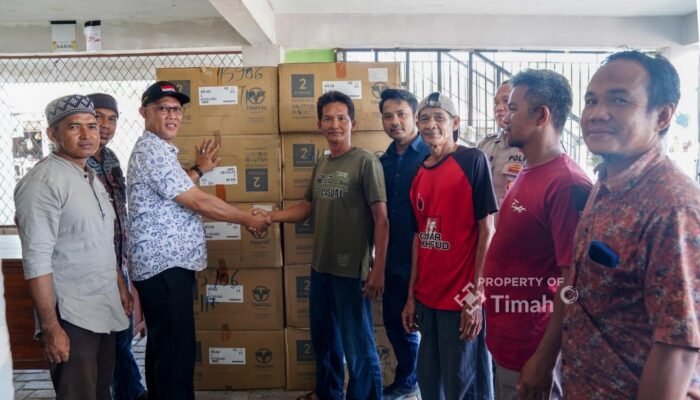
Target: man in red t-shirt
530 254
452 199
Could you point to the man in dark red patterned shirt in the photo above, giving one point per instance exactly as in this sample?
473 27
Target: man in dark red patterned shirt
126 380
633 331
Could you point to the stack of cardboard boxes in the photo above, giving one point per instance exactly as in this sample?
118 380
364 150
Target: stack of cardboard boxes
300 87
238 299
241 300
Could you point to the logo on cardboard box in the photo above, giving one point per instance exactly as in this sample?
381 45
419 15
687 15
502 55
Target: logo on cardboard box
303 86
382 352
256 180
254 99
305 352
303 286
305 227
183 87
263 355
304 155
255 96
378 88
261 293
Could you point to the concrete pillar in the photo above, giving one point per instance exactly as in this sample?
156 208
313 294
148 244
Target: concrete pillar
262 56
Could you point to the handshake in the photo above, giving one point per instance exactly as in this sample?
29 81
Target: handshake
258 222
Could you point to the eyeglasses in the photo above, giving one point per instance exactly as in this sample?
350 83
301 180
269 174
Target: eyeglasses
165 110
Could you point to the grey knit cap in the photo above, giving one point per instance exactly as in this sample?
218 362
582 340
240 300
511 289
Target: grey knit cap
68 105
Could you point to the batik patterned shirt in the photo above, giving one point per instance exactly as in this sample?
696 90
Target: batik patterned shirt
163 234
649 216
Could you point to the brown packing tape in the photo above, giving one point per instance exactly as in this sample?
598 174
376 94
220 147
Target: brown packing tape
341 70
225 335
220 192
217 137
225 328
222 275
220 189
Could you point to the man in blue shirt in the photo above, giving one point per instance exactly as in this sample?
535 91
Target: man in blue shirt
400 162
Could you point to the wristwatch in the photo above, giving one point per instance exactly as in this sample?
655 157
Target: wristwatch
196 169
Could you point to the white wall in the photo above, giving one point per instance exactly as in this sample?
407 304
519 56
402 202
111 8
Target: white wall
475 31
690 29
388 31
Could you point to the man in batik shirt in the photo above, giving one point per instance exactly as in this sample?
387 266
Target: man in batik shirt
633 330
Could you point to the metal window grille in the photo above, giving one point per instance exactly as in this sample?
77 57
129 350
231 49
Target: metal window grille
471 79
28 84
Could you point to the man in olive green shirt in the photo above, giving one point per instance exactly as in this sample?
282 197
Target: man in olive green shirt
342 191
348 201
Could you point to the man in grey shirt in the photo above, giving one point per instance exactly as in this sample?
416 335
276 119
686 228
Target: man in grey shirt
66 224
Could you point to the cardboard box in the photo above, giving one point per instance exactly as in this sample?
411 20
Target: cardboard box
298 239
301 360
301 150
301 367
297 286
302 84
230 245
387 357
249 171
228 360
377 312
226 101
239 299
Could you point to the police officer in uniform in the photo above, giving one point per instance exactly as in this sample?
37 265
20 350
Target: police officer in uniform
505 161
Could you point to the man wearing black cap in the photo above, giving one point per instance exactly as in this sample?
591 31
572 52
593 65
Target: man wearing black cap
166 239
126 383
452 199
66 225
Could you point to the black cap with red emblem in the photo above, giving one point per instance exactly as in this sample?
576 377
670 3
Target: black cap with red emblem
161 89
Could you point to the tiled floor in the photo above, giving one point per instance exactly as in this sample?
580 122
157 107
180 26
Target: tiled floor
36 384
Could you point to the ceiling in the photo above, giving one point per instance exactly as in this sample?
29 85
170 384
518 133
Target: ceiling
163 10
608 8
